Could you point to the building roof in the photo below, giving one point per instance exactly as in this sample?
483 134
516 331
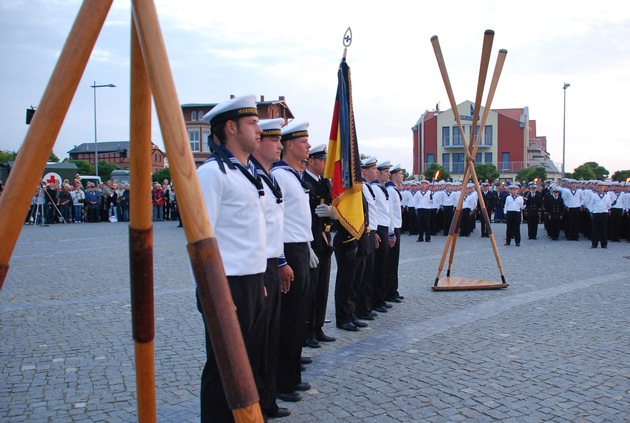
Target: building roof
104 147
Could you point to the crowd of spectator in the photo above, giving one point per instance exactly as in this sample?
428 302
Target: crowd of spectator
71 202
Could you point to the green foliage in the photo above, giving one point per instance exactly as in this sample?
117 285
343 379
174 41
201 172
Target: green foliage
429 172
621 175
583 172
6 155
601 173
162 174
405 174
84 168
532 173
53 157
487 172
105 170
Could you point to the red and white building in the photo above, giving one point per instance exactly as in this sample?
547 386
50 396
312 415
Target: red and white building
509 142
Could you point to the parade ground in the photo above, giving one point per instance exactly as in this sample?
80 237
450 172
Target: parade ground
552 347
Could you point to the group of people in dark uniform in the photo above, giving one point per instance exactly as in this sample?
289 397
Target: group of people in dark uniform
271 211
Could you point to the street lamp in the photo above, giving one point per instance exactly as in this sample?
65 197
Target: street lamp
564 124
95 86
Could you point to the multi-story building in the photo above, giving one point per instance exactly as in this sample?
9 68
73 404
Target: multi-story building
199 131
509 141
114 152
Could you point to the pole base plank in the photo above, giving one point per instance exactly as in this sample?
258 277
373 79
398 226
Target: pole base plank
454 283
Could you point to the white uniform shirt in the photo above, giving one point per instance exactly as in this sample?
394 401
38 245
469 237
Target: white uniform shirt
370 197
384 213
297 210
598 203
274 221
470 200
395 206
449 198
422 199
571 198
236 214
513 204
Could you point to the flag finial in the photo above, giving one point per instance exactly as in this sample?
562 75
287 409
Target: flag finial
347 40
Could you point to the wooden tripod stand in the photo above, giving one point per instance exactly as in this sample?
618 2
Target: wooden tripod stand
150 76
449 283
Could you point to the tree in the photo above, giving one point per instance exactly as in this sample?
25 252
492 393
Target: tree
600 172
6 155
532 173
161 175
584 172
430 172
53 157
487 172
83 167
105 170
621 175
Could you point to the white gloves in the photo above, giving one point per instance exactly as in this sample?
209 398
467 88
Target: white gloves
324 210
314 260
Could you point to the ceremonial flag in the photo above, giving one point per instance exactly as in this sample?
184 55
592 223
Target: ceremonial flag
343 167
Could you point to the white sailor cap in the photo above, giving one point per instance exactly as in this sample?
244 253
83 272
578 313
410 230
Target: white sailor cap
368 162
534 186
231 109
424 181
395 168
485 184
271 127
516 185
554 188
383 165
318 152
294 130
470 185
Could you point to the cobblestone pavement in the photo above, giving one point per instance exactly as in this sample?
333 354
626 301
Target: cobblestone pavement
553 346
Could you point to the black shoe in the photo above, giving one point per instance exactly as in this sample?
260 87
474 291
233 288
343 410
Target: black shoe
306 360
400 297
304 386
518 245
289 396
368 317
281 412
387 305
349 327
394 300
374 314
380 309
302 367
326 338
312 343
359 323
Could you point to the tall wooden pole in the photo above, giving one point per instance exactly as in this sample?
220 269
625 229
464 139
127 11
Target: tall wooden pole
215 297
141 233
45 126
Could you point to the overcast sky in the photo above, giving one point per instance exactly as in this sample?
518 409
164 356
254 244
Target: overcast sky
293 49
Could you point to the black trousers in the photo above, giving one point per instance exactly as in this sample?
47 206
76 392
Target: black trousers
349 274
532 224
365 288
293 316
573 223
465 225
249 298
424 224
392 274
448 218
615 224
381 268
320 281
513 227
270 354
599 233
553 227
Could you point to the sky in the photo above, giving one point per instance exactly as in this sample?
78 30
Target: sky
293 49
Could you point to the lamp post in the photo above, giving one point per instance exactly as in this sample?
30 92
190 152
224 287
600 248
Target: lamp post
564 124
421 141
95 86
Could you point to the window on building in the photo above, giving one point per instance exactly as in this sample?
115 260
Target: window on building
193 116
505 161
458 162
487 136
478 158
488 158
200 115
204 140
193 137
430 158
446 161
446 136
457 136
